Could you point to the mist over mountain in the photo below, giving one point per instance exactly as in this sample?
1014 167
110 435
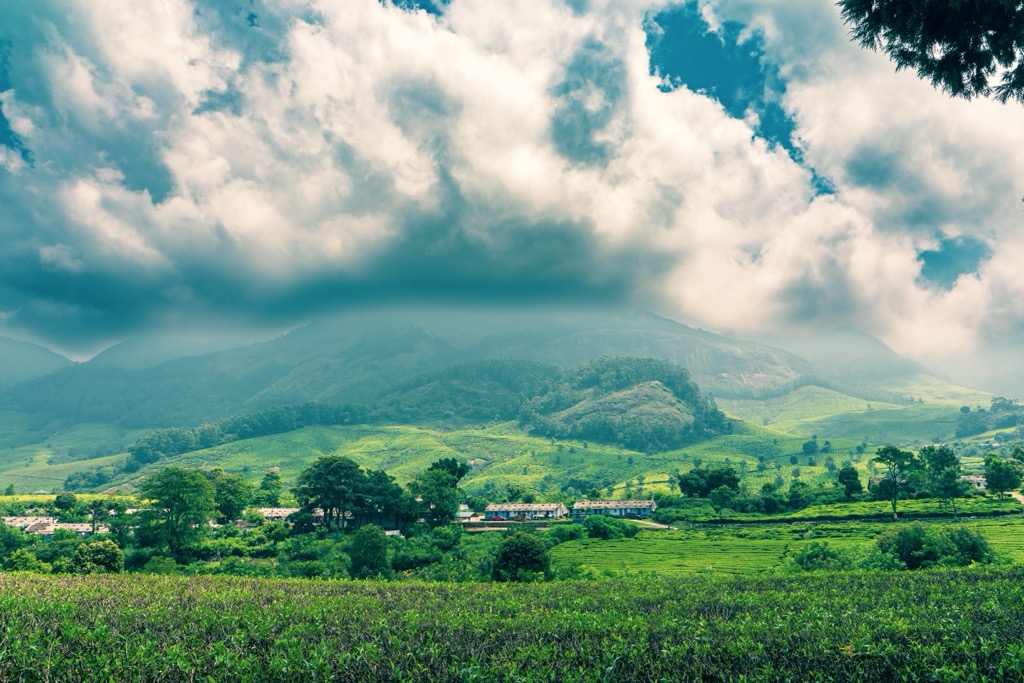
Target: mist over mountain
152 348
848 355
20 361
358 357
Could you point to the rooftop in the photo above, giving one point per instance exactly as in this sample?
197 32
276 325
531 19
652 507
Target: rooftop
523 506
587 504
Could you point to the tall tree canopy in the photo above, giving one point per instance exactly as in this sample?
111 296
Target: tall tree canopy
968 48
334 484
183 504
898 464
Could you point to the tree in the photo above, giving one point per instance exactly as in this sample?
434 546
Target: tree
948 485
99 511
232 493
521 556
333 484
700 482
11 539
605 527
722 497
849 480
967 48
65 501
98 557
1001 475
917 547
438 496
183 503
943 471
368 551
9 491
21 560
898 465
452 466
270 490
936 459
384 501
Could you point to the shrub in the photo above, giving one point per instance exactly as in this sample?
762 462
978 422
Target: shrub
522 556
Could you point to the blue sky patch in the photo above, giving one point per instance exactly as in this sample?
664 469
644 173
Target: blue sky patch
955 256
8 138
229 100
435 7
728 67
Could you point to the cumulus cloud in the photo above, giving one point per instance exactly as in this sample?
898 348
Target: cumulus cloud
275 161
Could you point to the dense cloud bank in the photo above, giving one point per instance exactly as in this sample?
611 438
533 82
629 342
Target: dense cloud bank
260 164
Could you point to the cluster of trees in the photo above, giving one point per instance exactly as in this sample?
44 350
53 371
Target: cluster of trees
1002 413
914 546
935 471
339 487
164 443
186 500
174 529
721 487
477 392
173 532
697 417
967 49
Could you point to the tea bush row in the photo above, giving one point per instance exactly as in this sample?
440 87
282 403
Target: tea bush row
944 625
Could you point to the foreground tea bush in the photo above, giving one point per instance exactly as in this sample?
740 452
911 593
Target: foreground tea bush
934 625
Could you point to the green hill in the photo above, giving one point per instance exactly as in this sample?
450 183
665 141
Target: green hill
814 410
500 456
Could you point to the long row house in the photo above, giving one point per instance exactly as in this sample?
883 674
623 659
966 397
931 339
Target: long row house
45 526
626 509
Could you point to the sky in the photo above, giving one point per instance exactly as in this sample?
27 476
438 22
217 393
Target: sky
737 165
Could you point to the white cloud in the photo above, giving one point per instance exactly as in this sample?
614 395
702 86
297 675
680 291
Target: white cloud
371 126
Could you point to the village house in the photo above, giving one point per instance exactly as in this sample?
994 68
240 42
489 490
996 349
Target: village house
45 526
630 509
502 511
976 481
465 513
282 514
275 514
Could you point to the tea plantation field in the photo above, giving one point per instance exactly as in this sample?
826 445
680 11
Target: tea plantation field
924 626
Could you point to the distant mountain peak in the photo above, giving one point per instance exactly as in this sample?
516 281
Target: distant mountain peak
21 361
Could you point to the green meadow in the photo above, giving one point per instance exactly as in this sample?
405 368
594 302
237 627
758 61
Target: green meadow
500 456
751 548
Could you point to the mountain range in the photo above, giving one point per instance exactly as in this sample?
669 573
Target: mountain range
621 378
159 381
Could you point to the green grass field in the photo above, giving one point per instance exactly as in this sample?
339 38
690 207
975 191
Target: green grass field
833 415
502 455
750 548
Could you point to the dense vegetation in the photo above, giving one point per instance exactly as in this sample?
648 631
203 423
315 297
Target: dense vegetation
163 443
548 401
951 625
1002 414
640 403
